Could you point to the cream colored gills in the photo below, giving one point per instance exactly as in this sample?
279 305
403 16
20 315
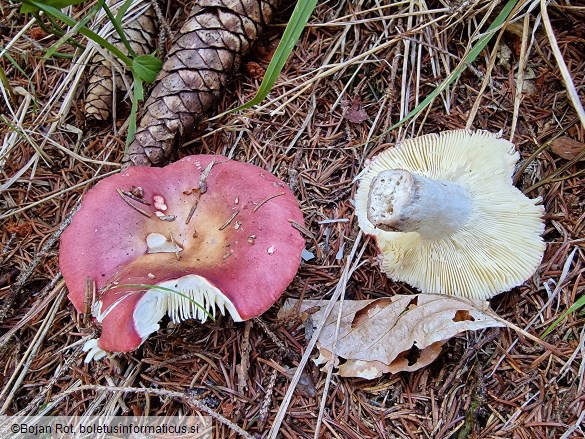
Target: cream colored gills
446 216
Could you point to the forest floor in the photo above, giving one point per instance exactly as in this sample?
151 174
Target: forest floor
358 69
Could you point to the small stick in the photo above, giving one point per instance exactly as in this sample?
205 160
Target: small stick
230 219
203 177
132 205
301 229
526 334
286 351
202 189
163 393
192 211
27 272
266 200
265 409
135 198
244 365
90 292
165 29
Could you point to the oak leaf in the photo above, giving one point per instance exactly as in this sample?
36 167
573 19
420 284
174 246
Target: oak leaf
389 335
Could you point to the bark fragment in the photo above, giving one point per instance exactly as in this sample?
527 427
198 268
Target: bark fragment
104 77
207 50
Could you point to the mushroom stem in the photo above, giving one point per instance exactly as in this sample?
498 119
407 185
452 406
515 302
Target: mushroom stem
400 201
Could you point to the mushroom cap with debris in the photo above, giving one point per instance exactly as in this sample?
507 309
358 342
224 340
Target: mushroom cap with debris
457 225
202 232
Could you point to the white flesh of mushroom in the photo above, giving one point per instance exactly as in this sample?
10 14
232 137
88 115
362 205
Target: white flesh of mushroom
400 201
158 243
94 352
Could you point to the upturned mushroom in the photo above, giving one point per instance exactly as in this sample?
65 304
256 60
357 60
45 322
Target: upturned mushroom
446 217
201 233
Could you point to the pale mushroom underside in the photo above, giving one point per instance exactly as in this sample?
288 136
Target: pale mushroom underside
499 246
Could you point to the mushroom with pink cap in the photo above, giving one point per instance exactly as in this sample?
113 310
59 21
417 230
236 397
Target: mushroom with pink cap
202 233
446 217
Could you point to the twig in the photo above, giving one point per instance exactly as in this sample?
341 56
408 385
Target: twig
526 334
274 337
571 90
72 357
302 229
135 198
38 306
201 190
261 203
159 392
560 283
204 175
297 376
132 205
265 408
22 369
244 365
165 29
16 289
192 211
230 219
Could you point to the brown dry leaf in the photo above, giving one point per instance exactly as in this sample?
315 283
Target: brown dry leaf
567 148
394 334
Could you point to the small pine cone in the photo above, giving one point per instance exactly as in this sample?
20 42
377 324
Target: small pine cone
206 51
141 33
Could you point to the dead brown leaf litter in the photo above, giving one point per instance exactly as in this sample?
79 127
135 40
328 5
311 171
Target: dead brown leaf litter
486 384
390 335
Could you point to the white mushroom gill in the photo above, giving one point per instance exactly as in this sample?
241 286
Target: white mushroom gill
94 352
189 297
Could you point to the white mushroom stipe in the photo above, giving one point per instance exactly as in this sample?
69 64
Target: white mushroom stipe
400 201
192 297
158 243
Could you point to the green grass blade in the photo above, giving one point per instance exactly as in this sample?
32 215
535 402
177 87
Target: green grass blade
30 82
122 11
49 10
118 27
294 28
15 64
7 86
473 53
168 290
59 4
53 49
137 96
580 303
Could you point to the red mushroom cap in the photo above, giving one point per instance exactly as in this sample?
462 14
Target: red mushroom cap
216 230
